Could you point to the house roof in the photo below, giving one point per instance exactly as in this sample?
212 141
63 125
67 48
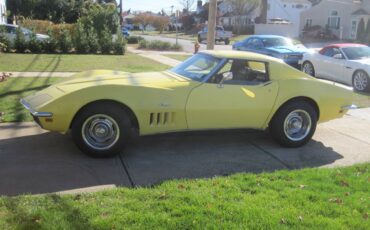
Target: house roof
360 12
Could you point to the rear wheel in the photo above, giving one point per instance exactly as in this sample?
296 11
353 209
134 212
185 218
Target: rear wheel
361 81
101 130
294 124
308 68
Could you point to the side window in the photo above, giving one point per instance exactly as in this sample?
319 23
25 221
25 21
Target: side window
330 52
257 43
244 72
11 30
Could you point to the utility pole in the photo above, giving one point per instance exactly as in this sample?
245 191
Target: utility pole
120 12
212 24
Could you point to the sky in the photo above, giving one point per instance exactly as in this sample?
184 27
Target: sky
150 5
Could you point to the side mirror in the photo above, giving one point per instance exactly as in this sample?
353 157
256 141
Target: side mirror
228 76
338 56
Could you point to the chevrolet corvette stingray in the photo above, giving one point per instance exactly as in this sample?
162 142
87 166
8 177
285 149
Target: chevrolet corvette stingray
211 90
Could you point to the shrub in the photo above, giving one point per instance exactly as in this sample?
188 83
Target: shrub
20 43
134 39
158 45
4 41
105 41
50 45
81 41
38 26
65 41
34 45
93 41
119 44
176 47
143 44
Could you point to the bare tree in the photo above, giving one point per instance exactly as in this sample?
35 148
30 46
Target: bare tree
187 4
243 8
161 22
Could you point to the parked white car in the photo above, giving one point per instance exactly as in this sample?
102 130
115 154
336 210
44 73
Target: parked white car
345 63
11 32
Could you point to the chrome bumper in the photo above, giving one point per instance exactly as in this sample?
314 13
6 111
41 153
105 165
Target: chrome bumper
33 112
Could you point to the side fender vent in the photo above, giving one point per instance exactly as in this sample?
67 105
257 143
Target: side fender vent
161 119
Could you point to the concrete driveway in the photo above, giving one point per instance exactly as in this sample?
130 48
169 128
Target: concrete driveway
33 161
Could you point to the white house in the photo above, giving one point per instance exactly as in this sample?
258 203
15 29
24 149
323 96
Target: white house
229 18
341 16
288 11
2 12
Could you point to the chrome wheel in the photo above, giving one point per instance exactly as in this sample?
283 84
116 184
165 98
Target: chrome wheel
360 81
100 132
308 69
297 125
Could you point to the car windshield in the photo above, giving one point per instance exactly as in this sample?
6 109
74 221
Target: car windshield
356 53
272 42
197 67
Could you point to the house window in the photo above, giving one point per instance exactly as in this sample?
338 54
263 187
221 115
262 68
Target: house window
354 29
334 20
308 22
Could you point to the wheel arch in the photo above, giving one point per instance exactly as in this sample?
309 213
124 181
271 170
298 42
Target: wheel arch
130 112
309 100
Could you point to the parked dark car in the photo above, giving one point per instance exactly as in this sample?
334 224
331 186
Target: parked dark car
275 46
125 32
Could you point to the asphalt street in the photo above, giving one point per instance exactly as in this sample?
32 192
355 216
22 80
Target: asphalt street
33 161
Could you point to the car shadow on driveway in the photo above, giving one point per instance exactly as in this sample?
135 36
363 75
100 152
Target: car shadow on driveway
50 162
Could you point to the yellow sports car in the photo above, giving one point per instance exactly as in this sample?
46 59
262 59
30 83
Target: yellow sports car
211 90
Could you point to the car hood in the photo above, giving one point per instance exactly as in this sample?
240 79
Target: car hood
365 61
96 78
287 49
109 77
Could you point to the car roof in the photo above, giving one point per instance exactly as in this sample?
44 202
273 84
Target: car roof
342 45
232 54
266 36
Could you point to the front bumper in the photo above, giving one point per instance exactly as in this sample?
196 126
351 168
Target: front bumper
34 113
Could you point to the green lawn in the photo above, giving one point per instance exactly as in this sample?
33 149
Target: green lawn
178 56
75 63
13 89
305 199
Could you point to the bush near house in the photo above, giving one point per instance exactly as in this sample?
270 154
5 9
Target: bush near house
134 39
91 34
158 45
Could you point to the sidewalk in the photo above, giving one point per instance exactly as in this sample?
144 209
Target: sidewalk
42 74
158 56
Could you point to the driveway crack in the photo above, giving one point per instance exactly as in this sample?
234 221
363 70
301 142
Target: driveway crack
271 155
125 168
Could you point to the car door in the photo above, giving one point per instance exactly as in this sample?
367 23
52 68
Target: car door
237 103
332 66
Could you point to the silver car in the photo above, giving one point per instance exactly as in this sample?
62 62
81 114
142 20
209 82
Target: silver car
11 32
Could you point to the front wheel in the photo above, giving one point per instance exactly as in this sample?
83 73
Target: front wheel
294 124
361 81
308 68
101 130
